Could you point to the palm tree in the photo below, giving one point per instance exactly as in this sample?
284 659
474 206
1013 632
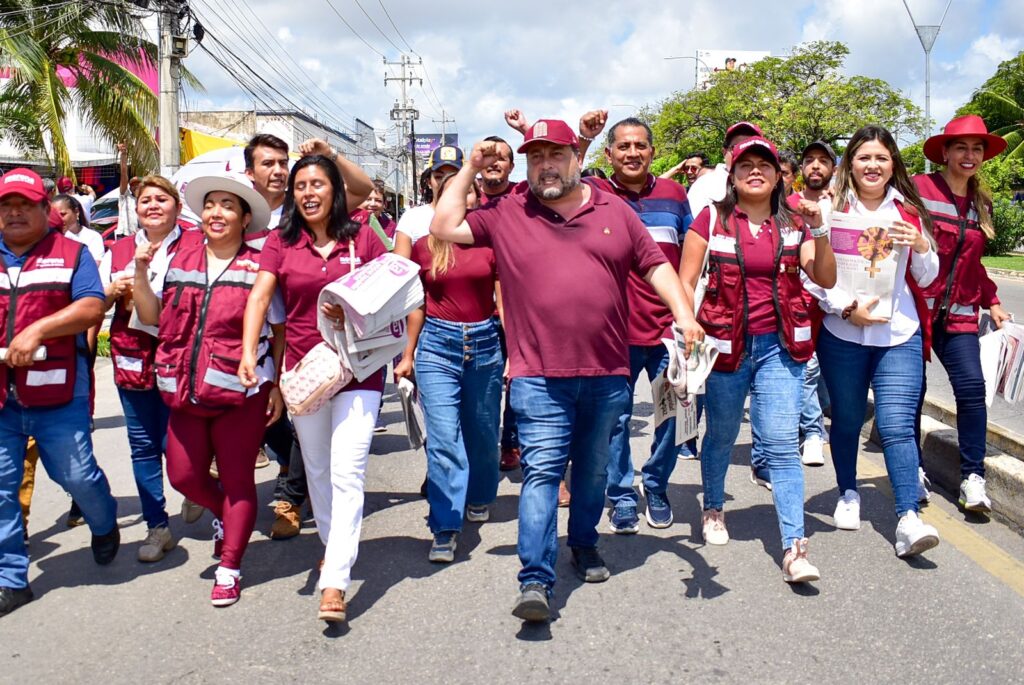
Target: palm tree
47 44
1011 110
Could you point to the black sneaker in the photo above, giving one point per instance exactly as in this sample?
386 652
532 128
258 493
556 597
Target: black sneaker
104 547
589 565
13 597
532 604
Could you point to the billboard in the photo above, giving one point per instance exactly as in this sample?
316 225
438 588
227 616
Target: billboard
711 61
428 142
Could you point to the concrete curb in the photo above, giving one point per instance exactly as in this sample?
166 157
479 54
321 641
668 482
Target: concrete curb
1004 473
1006 273
999 437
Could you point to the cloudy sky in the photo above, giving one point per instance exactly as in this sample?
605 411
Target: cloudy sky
559 59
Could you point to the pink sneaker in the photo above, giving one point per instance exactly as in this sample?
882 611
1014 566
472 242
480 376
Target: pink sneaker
227 589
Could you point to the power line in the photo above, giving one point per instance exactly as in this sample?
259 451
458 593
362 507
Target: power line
388 15
360 6
354 32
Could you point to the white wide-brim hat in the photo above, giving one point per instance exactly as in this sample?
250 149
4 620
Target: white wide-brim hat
229 182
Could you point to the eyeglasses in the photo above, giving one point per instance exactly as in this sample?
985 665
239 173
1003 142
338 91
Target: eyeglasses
692 168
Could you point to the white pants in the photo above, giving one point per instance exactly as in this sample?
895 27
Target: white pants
335 444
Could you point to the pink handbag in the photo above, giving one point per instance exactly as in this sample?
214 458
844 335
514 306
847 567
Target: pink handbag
314 381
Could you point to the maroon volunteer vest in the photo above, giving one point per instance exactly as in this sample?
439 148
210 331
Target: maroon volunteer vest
133 352
200 344
956 295
724 311
42 288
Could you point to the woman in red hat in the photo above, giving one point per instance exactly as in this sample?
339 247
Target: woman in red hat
961 213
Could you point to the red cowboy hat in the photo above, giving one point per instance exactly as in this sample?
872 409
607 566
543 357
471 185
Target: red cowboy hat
962 127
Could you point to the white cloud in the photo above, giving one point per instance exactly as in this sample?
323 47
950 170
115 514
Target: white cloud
483 59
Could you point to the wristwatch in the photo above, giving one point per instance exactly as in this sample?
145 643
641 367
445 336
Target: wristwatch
819 232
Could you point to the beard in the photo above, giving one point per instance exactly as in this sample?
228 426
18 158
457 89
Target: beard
817 183
492 182
566 185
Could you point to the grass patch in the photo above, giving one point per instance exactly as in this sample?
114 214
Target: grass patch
1014 262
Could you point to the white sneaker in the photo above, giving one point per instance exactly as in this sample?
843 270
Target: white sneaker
812 453
923 496
713 527
847 513
914 536
972 494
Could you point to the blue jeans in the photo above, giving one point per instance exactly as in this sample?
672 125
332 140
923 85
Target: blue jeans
65 449
458 371
811 420
895 374
775 385
562 420
145 416
658 468
960 355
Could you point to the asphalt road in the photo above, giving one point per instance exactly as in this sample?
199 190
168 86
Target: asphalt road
1011 293
673 610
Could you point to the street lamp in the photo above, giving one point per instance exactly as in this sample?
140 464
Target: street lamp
697 61
927 33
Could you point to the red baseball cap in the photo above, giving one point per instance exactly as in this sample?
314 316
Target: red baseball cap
743 127
64 184
756 145
550 131
24 182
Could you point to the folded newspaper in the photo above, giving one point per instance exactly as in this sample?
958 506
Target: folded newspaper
375 309
867 261
379 292
1002 361
676 389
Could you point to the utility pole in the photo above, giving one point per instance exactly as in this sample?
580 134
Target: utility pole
443 120
172 48
927 33
405 114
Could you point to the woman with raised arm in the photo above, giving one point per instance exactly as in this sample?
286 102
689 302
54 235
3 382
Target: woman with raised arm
316 245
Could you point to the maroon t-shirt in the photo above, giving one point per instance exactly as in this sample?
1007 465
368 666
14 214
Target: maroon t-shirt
564 281
301 274
465 292
759 262
485 198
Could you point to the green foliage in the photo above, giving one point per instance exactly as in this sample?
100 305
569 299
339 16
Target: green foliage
913 157
796 100
1008 217
1010 262
1000 102
40 37
103 344
1002 175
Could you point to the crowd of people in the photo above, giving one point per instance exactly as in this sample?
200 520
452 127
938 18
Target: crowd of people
555 294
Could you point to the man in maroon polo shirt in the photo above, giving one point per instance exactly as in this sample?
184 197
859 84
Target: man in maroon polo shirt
564 252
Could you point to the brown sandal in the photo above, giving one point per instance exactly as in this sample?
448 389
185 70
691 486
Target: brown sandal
332 611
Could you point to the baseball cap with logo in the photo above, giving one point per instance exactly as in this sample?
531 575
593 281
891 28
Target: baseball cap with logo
756 145
24 182
550 131
819 145
446 155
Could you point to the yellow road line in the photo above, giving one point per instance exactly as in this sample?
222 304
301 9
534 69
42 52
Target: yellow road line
986 554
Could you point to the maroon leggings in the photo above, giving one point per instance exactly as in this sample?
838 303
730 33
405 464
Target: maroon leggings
234 436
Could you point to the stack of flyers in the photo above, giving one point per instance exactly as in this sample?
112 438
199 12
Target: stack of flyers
379 292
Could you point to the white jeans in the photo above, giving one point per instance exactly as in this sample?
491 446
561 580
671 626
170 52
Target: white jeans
335 444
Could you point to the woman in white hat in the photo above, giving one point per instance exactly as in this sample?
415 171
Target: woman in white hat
199 305
961 213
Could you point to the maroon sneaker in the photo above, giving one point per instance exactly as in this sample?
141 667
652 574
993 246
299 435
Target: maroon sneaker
227 589
510 459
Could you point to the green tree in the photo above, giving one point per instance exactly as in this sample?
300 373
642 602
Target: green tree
1000 102
795 99
40 37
